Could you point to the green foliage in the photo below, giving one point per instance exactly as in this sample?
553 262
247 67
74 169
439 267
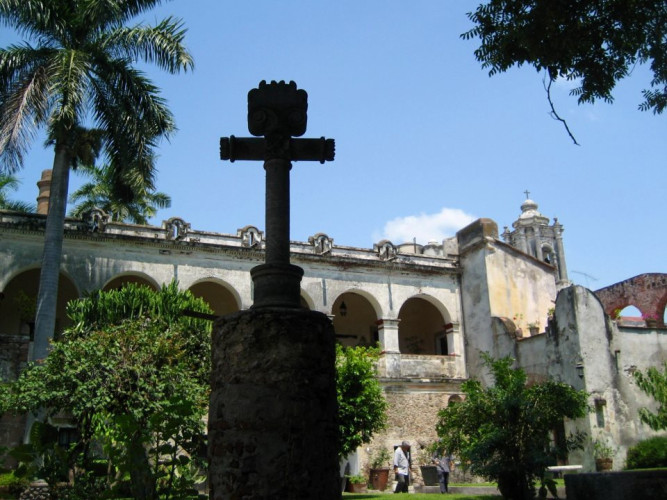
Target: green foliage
133 373
361 404
597 42
648 454
42 457
654 384
502 432
357 479
602 450
381 458
15 485
74 76
10 183
79 67
101 193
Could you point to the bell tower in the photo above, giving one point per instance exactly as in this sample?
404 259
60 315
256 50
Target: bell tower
533 235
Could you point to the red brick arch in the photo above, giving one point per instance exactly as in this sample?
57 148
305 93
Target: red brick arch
647 292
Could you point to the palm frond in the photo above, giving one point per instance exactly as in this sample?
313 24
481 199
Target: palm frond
106 13
33 18
161 44
9 182
124 200
19 206
24 104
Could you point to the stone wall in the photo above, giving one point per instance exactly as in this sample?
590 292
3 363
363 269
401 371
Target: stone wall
411 416
640 484
647 292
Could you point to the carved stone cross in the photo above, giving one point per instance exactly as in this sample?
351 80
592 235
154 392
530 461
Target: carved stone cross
278 112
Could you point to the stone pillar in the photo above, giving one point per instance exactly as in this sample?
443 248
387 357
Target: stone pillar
388 334
521 239
538 244
44 185
560 253
277 210
454 340
272 419
277 283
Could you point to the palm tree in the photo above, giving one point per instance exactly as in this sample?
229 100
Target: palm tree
99 193
11 183
80 70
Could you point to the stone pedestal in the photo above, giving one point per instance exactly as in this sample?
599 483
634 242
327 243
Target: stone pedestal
272 419
277 285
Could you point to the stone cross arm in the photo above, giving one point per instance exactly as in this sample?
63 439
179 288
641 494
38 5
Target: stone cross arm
255 148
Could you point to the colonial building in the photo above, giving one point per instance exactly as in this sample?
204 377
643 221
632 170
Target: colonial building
433 308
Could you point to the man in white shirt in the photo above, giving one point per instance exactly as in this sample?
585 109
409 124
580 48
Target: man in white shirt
402 467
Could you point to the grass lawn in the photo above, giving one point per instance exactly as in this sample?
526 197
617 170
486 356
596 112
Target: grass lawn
421 496
432 496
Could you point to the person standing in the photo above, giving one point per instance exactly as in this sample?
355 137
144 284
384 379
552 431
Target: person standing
402 467
443 464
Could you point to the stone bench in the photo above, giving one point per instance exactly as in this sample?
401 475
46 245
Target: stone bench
558 470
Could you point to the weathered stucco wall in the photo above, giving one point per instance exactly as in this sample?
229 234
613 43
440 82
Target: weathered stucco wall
502 291
520 287
583 334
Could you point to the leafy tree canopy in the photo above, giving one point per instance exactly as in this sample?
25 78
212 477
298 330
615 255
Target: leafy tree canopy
503 431
654 383
133 373
361 404
597 42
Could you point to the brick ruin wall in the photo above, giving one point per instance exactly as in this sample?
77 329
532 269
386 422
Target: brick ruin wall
647 292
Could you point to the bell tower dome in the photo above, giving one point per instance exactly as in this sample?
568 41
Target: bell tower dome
533 235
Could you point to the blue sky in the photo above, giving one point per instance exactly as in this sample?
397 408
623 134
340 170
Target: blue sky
425 140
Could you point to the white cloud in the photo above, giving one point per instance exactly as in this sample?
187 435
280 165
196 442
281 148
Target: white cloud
425 227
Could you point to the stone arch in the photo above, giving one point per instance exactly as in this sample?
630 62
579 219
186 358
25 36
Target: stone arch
548 254
422 326
355 318
4 282
221 297
647 292
20 293
456 398
307 301
122 279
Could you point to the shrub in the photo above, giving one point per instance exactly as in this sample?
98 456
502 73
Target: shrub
15 485
504 430
648 454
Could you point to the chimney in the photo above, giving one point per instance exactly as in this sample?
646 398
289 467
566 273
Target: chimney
44 185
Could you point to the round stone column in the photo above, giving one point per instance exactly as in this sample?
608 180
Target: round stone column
273 429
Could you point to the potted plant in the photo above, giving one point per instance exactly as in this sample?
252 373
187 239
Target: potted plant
651 320
603 454
379 469
426 465
534 328
356 483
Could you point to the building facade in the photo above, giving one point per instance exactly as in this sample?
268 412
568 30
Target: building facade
433 309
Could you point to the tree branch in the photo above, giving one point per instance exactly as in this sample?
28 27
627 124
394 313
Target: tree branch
553 112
